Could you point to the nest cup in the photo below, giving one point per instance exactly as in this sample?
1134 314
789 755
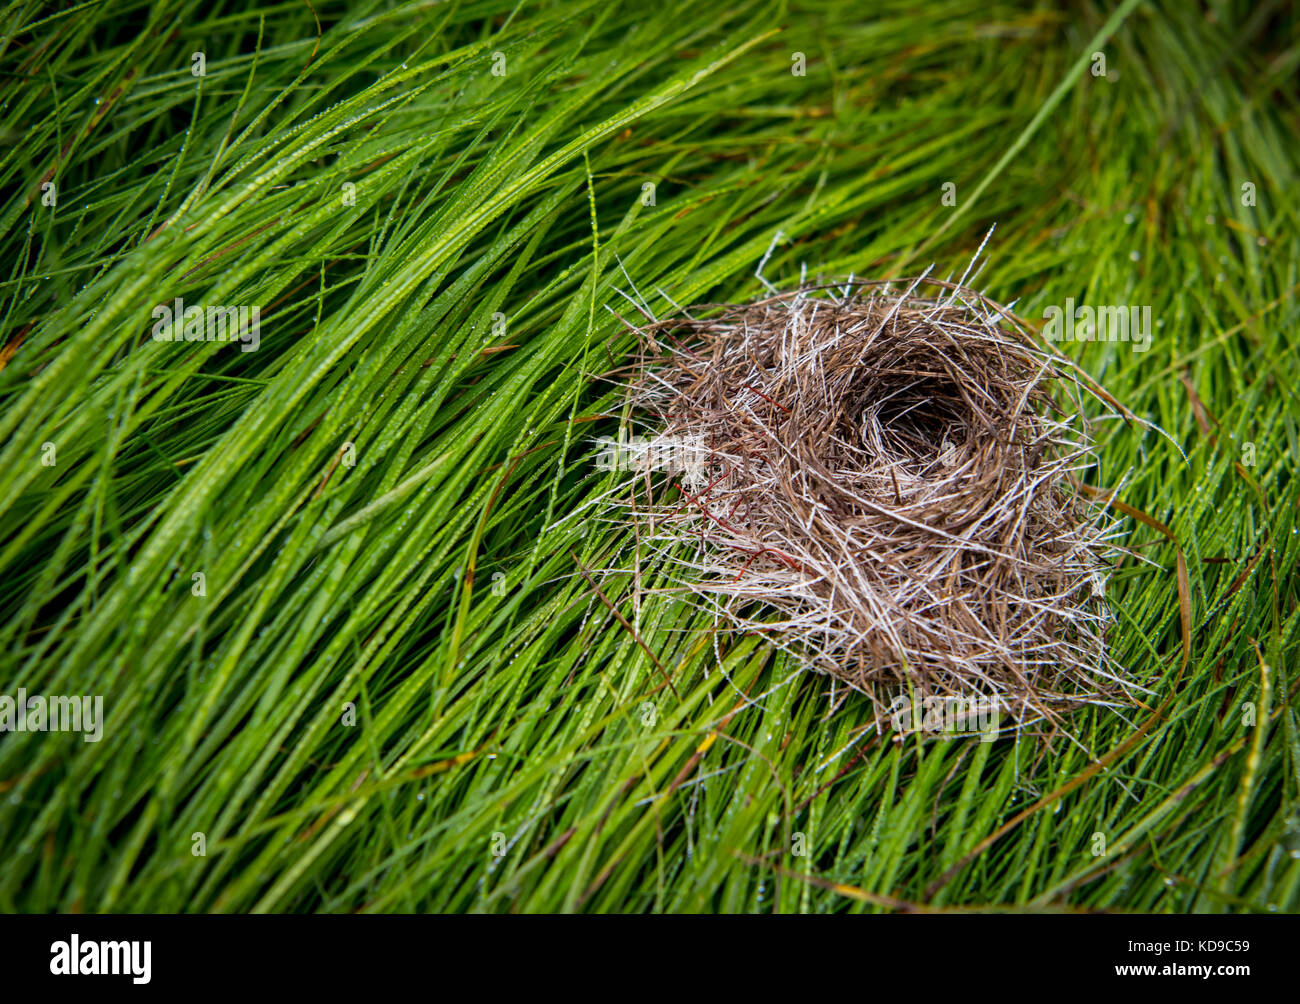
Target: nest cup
884 485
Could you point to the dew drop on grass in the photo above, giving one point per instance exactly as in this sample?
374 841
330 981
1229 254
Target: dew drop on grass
1134 256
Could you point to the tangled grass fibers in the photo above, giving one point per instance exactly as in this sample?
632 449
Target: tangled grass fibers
884 484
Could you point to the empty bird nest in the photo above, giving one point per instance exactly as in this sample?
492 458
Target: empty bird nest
885 485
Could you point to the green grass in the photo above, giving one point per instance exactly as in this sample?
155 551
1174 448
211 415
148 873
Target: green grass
512 712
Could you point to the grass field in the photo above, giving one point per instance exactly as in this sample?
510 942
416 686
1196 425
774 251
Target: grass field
332 591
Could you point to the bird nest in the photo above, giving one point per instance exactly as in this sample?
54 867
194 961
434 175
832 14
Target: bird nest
884 484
